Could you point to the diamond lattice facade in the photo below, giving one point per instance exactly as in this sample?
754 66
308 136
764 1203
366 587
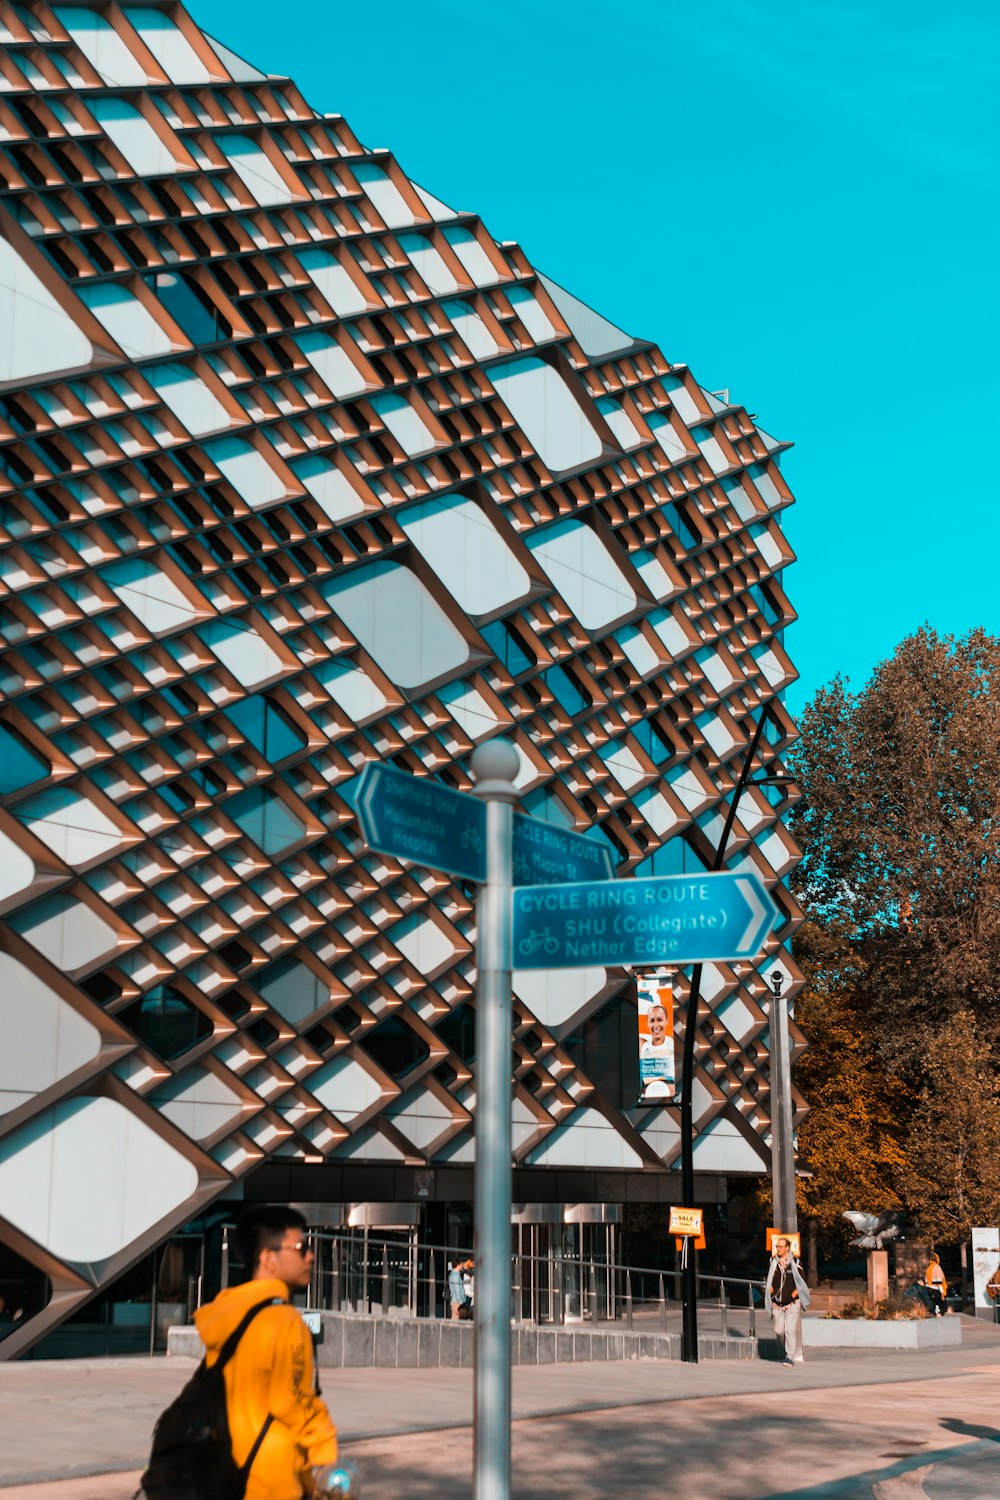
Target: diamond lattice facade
300 468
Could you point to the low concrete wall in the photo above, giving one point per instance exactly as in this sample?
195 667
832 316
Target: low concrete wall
353 1341
867 1333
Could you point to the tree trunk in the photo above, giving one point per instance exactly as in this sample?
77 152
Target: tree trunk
965 1275
812 1253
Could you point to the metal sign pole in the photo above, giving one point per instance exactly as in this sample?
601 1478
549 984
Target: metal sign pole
782 1139
494 765
689 1267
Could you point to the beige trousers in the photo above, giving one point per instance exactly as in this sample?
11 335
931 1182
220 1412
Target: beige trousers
788 1326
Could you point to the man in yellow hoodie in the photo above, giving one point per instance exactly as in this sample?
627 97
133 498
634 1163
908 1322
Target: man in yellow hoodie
271 1375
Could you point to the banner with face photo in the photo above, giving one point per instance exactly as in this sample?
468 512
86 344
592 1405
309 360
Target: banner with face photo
657 1072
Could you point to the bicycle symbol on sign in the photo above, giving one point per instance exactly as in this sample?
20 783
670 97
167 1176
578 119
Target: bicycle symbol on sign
470 839
539 940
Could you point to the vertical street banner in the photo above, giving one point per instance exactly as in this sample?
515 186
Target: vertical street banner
657 1069
985 1264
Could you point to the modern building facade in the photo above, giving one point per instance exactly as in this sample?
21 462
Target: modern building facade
300 469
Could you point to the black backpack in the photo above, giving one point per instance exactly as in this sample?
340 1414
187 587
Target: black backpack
192 1455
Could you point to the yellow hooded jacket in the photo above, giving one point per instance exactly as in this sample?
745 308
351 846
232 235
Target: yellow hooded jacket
271 1372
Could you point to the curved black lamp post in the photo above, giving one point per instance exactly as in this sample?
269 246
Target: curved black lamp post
689 1277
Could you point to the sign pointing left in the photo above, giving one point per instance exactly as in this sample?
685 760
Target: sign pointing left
415 817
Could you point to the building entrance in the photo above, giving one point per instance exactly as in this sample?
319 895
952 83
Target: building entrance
564 1261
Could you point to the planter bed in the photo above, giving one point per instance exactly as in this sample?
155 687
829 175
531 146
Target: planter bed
867 1333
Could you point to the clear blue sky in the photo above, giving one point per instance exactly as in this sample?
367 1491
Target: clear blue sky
798 198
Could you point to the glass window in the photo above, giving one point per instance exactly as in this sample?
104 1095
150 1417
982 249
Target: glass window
681 523
675 857
335 283
190 307
46 339
620 422
266 819
467 552
396 1047
150 595
332 364
548 412
605 1049
166 1022
292 989
267 728
405 423
135 138
329 487
506 647
19 765
399 622
244 652
472 255
388 201
532 314
584 572
458 1031
168 44
471 329
189 398
102 47
255 169
652 741
566 690
430 264
666 435
129 321
247 470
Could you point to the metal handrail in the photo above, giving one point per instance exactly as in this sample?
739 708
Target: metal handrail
408 1278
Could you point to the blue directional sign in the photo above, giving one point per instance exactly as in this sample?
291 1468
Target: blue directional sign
547 855
413 817
671 919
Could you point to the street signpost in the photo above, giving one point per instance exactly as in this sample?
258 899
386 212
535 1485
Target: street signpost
545 854
415 817
571 914
670 919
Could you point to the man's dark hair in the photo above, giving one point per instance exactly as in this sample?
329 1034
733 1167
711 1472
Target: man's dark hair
262 1227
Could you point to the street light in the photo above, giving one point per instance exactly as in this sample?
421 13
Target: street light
689 1276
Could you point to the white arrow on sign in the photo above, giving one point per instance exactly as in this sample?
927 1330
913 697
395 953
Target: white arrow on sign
759 914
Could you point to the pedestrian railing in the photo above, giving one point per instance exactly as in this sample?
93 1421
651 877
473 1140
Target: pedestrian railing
356 1272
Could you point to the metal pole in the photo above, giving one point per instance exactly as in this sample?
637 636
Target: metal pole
782 1145
494 765
689 1281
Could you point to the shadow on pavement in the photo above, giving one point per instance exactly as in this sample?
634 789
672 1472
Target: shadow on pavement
951 1471
596 1455
971 1429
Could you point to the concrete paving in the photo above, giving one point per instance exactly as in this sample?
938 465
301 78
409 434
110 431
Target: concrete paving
846 1425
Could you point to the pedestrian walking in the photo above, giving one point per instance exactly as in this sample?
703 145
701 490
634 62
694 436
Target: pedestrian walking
936 1284
271 1395
456 1291
786 1297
